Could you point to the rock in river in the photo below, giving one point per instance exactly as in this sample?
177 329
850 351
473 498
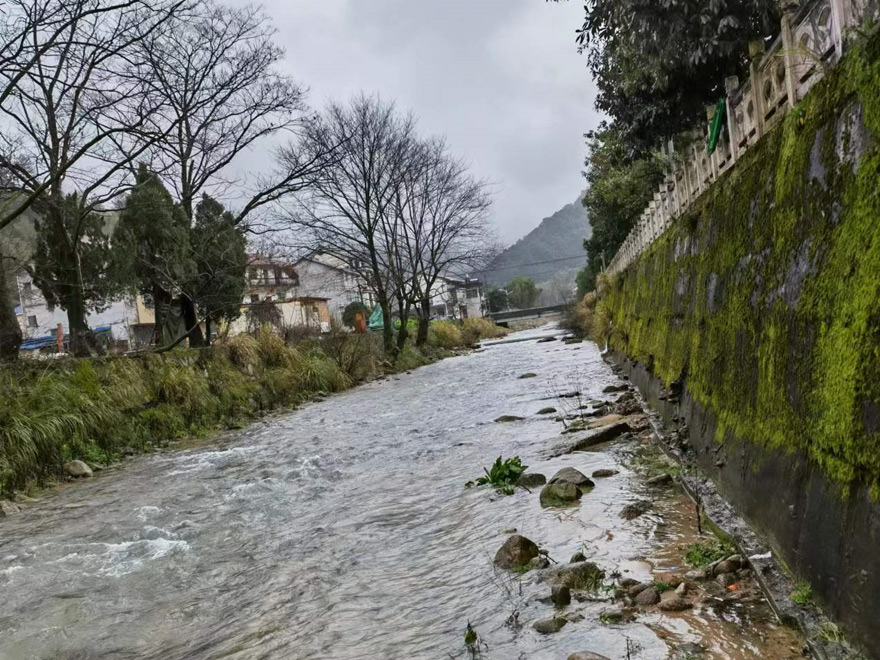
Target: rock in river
634 510
548 626
560 494
77 470
547 411
615 388
516 552
569 475
649 596
8 508
504 419
560 595
586 655
584 575
675 604
602 474
531 480
528 375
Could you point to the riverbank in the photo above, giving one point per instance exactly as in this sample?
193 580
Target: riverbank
69 418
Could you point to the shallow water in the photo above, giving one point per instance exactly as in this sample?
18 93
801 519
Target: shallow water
343 531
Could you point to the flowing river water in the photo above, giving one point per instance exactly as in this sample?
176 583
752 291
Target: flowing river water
343 531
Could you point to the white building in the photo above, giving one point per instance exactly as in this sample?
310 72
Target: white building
457 298
126 324
326 276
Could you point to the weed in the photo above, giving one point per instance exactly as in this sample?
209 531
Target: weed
830 633
802 594
703 553
503 475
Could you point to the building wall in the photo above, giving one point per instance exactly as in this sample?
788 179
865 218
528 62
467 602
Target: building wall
340 287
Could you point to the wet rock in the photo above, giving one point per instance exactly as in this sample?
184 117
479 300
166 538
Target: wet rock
547 411
528 375
726 566
568 395
607 420
689 648
560 595
626 583
682 589
505 419
612 617
574 340
675 604
77 470
549 626
586 655
696 576
531 480
661 480
634 510
8 509
637 588
538 564
626 404
516 552
610 389
546 340
744 574
725 579
577 478
559 494
583 575
649 596
603 474
577 557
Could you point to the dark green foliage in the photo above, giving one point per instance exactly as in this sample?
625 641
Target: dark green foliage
497 300
619 190
502 476
657 65
264 313
219 251
353 309
522 293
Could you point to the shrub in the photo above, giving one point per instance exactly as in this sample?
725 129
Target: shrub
473 330
502 476
444 334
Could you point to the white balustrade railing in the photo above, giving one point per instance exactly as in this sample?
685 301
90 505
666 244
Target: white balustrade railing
812 39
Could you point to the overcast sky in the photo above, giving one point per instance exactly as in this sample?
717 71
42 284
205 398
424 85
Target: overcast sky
500 78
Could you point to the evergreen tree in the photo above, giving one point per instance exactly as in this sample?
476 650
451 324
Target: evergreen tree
152 246
71 263
220 255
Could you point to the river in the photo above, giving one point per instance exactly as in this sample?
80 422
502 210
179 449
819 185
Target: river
343 531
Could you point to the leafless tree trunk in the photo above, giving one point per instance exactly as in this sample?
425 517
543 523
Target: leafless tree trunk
363 150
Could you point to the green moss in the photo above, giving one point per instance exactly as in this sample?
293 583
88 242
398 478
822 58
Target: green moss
766 295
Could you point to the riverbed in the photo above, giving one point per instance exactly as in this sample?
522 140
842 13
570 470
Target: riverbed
343 531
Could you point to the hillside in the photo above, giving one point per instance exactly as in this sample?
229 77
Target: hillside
554 247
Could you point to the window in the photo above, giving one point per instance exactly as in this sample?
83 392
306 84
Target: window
32 321
255 298
473 293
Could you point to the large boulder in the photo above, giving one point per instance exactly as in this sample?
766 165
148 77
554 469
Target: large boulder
516 553
507 419
577 478
649 596
634 510
560 494
77 470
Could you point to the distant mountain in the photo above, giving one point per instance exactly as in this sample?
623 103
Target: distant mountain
555 246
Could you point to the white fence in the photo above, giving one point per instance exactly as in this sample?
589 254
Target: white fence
812 38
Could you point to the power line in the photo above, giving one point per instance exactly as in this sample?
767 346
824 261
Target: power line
536 263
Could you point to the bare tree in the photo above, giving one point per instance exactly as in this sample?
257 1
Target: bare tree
68 113
363 150
216 72
443 225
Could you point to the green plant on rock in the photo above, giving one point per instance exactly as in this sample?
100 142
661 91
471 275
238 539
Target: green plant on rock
502 476
802 594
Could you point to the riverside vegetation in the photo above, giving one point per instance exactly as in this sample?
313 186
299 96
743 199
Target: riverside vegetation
99 409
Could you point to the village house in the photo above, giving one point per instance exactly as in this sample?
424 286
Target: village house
326 276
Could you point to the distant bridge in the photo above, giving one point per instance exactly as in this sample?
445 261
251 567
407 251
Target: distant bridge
503 318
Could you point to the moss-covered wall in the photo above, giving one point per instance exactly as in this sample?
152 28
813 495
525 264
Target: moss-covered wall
767 295
764 301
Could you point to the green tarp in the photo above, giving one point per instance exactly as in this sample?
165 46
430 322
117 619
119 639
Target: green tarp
717 126
376 322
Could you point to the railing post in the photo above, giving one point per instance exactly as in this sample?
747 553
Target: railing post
731 84
756 50
788 50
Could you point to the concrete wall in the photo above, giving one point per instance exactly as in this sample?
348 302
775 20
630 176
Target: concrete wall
763 302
